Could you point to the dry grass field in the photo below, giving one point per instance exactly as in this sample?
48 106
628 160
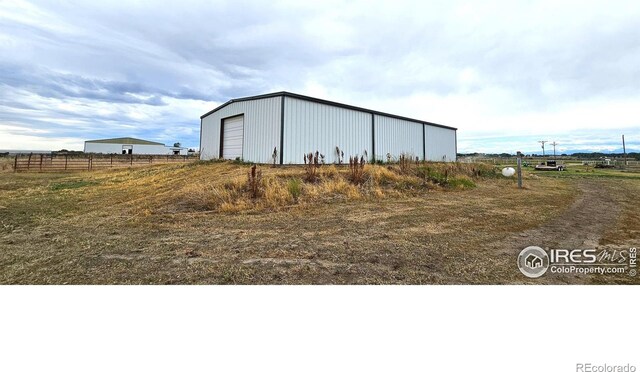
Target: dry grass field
202 223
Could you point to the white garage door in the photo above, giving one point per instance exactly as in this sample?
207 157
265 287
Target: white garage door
232 137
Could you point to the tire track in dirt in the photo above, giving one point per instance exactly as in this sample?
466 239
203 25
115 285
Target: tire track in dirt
580 226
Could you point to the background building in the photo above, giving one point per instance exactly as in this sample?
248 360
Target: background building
128 145
250 128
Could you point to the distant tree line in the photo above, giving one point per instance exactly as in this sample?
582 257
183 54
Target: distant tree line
597 155
580 155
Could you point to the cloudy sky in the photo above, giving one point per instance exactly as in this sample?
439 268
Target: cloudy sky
507 74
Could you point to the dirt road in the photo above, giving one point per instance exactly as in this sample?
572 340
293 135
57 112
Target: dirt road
584 225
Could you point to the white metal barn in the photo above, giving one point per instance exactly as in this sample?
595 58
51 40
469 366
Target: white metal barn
128 145
250 128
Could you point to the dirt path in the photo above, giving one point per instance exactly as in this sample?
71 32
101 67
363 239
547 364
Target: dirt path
581 226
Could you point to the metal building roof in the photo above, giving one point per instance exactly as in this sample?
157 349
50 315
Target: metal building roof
325 102
126 141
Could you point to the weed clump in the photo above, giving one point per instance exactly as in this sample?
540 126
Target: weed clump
356 169
294 186
312 162
274 156
275 189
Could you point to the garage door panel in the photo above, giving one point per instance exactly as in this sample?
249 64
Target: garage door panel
233 137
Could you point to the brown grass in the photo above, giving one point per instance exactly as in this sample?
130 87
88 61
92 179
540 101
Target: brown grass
197 223
271 191
6 164
628 225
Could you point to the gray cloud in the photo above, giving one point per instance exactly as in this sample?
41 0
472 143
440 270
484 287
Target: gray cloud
137 68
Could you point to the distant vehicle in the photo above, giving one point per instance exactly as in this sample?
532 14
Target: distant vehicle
550 165
603 165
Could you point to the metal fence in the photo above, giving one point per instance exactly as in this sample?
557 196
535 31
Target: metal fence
89 162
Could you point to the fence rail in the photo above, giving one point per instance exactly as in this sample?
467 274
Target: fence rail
57 163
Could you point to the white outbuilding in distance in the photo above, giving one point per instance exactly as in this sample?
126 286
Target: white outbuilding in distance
129 145
250 128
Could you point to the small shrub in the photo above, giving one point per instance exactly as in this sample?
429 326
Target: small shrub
274 156
428 174
356 169
339 155
294 186
254 182
461 183
312 162
405 163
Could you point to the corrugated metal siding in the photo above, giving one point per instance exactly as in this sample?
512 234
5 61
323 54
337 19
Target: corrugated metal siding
233 137
261 129
311 126
395 136
116 148
441 144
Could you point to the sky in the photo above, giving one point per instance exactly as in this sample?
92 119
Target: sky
506 74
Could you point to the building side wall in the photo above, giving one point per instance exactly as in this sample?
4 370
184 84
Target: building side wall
261 129
440 144
311 126
396 137
116 148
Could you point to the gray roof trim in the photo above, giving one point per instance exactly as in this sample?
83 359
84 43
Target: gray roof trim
125 141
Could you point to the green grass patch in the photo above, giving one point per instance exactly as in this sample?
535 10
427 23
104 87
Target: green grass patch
70 185
461 183
294 186
588 172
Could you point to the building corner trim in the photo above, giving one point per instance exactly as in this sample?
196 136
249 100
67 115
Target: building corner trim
424 142
373 137
282 130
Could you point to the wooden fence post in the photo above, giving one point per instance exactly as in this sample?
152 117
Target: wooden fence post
15 164
41 155
111 161
131 159
66 161
29 161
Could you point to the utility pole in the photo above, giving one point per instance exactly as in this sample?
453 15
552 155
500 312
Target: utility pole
554 144
543 142
624 149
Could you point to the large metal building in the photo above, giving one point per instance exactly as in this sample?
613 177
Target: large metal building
250 128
